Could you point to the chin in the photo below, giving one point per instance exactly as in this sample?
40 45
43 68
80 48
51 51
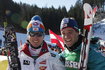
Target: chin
35 45
69 45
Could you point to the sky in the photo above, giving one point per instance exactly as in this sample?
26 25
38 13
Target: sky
49 3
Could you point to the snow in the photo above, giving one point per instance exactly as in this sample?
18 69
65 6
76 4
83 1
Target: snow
3 57
99 29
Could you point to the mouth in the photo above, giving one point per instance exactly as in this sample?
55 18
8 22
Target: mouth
69 40
35 41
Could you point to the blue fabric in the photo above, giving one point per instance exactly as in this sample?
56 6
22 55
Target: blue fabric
96 58
35 26
67 22
36 17
39 30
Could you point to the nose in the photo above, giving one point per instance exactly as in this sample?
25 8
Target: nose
35 37
66 35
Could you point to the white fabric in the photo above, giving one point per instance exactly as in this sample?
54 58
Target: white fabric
45 61
34 52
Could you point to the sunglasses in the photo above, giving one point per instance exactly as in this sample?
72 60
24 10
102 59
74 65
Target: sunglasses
38 34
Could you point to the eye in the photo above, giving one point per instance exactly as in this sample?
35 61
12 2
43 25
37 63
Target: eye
70 32
63 33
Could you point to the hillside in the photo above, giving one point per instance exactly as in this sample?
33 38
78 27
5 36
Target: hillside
99 29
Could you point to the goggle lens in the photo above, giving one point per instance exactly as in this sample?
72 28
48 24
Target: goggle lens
38 34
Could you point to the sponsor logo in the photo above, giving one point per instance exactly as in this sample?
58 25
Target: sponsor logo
35 29
43 62
42 67
71 64
26 62
64 25
35 24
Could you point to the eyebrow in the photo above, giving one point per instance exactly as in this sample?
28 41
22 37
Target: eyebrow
70 30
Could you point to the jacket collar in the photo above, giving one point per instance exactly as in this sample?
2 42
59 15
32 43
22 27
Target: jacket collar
44 49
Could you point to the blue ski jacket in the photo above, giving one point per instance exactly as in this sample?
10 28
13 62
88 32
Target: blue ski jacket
96 58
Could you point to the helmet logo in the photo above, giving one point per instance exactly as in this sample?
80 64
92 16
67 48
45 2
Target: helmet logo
64 25
35 29
35 24
66 20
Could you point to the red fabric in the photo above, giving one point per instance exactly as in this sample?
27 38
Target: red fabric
87 27
25 49
57 40
44 47
94 11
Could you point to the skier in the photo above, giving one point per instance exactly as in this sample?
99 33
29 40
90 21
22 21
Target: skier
36 54
72 42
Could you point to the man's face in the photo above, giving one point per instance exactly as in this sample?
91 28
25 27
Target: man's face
70 36
36 38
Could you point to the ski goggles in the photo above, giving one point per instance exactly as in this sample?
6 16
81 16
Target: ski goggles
38 34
